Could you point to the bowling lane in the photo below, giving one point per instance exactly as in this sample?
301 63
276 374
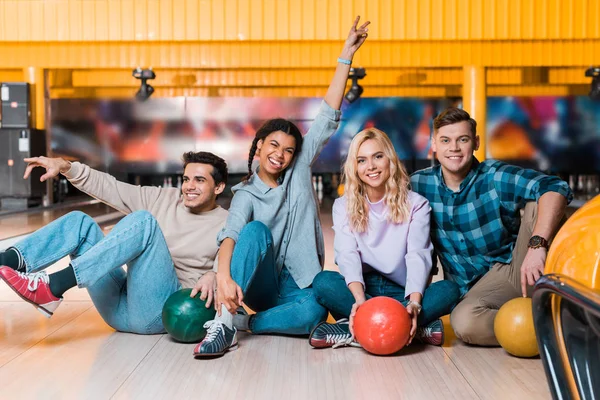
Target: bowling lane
26 222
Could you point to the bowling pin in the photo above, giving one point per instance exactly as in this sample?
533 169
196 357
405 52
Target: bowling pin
320 189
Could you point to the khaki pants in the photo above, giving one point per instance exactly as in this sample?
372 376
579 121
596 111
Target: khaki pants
473 318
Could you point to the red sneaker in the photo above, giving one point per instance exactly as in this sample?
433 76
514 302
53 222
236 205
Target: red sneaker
33 288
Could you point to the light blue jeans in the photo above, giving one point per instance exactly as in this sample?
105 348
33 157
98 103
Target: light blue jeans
129 301
280 305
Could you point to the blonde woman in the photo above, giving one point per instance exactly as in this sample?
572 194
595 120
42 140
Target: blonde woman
382 247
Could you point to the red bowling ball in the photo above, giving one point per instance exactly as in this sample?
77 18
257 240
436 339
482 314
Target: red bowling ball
382 325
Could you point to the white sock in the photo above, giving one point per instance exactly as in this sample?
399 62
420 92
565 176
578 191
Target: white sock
226 317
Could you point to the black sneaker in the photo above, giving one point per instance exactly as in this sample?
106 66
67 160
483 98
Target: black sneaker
432 333
332 335
219 340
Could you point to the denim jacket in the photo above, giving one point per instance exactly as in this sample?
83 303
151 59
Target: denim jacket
290 210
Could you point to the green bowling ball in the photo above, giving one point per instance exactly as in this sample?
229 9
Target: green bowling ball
184 317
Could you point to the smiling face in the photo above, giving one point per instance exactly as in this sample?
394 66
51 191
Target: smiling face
454 145
373 168
275 152
199 189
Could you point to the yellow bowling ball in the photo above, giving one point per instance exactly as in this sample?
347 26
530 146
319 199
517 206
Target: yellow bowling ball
514 328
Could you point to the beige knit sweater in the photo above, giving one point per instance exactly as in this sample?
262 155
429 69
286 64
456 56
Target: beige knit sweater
191 238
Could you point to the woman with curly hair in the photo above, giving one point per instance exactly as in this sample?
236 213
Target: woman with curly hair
272 246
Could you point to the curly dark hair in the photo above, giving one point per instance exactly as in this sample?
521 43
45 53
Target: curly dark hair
453 115
219 172
273 125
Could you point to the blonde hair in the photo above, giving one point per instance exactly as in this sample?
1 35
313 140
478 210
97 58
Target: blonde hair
396 188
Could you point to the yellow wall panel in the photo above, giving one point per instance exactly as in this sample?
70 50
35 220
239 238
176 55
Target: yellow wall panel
475 9
399 25
165 19
411 14
62 21
2 30
71 20
179 18
10 24
282 14
153 20
218 20
88 21
592 18
308 25
194 18
269 20
256 21
237 26
74 25
102 20
385 19
47 28
140 19
23 18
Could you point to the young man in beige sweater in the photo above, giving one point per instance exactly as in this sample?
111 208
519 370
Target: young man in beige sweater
167 239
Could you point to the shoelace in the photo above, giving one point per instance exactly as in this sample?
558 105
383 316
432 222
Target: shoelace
340 340
425 332
33 280
213 329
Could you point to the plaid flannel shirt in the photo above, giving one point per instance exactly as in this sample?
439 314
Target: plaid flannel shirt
477 226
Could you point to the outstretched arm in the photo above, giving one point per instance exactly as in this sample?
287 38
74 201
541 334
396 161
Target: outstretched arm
356 37
327 120
102 186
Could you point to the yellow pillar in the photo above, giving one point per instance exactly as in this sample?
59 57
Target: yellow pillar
474 102
35 77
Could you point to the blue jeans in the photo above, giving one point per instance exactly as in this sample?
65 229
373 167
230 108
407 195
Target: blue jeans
280 305
129 301
332 292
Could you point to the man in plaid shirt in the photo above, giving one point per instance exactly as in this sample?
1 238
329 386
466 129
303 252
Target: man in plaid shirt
491 223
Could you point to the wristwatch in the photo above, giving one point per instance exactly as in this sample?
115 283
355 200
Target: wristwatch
536 242
416 305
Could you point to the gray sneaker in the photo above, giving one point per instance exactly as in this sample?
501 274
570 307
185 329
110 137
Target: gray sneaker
219 340
432 333
332 335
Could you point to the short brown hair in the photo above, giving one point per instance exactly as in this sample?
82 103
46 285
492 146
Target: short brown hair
219 172
453 115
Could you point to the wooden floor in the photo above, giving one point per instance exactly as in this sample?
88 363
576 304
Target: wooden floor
75 355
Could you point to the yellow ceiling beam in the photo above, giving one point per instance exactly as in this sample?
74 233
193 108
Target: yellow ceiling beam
240 78
11 75
370 91
309 77
263 55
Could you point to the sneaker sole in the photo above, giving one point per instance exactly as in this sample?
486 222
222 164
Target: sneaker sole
42 310
210 355
310 341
